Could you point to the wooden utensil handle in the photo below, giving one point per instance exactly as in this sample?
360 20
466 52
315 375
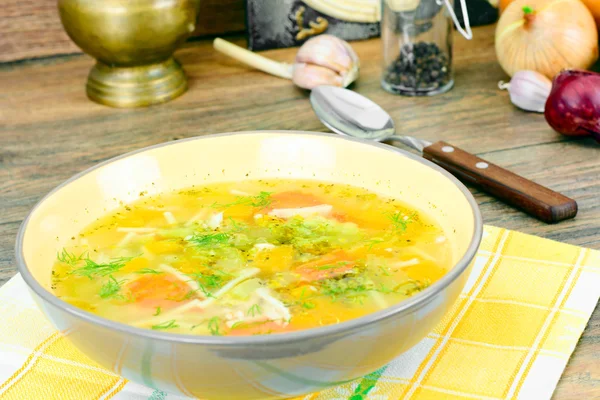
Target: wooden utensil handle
534 199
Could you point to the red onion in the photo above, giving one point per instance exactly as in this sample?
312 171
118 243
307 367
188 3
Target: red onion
573 107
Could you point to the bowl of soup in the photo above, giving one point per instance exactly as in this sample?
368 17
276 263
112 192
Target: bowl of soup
250 265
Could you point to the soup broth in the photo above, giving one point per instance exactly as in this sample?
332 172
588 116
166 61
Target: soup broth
252 257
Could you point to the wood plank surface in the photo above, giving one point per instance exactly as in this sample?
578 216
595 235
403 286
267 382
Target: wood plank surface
50 131
32 28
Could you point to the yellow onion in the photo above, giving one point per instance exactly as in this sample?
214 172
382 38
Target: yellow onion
546 36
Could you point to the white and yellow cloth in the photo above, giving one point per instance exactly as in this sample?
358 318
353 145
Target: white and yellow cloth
509 336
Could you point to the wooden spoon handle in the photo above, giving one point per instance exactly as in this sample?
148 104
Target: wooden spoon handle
536 200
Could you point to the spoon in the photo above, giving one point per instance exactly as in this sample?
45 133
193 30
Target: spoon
351 114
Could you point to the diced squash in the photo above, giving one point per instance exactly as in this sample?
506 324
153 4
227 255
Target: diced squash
136 264
374 248
239 212
273 260
163 247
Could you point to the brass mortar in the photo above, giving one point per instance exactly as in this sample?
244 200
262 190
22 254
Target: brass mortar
133 42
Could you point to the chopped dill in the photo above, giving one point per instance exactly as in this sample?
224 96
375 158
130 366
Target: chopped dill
92 269
70 258
384 271
111 288
213 326
400 221
148 271
383 289
236 227
206 281
166 325
208 239
373 242
261 200
157 313
254 310
309 305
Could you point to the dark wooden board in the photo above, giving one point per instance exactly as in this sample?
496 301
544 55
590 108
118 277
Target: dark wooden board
50 131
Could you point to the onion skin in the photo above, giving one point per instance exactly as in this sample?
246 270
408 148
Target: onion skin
546 36
573 107
594 7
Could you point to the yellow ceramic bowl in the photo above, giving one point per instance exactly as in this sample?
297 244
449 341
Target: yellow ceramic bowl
271 366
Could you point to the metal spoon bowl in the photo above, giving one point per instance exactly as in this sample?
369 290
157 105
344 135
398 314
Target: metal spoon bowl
348 113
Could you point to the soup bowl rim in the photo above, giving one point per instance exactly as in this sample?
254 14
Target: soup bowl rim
406 306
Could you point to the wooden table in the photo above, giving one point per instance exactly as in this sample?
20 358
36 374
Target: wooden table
50 131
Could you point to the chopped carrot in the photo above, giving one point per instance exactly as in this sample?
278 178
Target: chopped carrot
340 217
152 288
333 264
294 199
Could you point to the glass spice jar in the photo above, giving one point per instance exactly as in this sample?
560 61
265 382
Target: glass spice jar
417 45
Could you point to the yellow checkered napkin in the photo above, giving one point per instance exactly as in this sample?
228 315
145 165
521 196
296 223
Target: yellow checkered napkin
509 335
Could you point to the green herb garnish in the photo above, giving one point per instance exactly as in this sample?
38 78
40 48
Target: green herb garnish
166 325
189 294
400 221
208 240
92 269
373 242
70 258
236 226
157 313
309 305
206 281
213 326
262 200
148 271
254 310
111 288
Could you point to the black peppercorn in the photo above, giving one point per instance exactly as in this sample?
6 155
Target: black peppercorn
419 67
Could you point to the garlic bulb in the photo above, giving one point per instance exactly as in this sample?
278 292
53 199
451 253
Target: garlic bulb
325 60
321 60
528 90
